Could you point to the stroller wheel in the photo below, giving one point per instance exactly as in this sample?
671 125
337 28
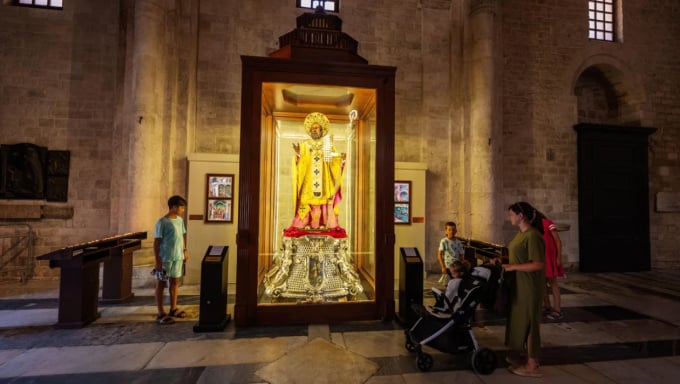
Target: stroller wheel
483 361
410 345
424 362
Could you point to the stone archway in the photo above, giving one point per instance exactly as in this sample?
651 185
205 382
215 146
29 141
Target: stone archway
608 92
613 196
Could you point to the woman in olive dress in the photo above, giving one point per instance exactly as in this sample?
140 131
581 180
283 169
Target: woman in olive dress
527 258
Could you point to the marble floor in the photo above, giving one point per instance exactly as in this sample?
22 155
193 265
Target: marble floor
618 328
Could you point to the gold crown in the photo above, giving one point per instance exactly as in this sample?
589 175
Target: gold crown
317 118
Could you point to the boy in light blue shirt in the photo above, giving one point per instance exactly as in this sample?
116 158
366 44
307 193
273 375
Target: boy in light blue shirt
450 248
169 248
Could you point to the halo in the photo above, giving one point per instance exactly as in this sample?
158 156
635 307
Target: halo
318 118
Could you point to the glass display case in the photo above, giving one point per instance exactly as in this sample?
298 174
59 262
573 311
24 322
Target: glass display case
316 235
319 172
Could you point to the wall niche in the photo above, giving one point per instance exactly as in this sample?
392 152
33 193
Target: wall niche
32 172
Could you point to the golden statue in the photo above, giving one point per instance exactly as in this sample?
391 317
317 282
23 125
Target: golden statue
317 178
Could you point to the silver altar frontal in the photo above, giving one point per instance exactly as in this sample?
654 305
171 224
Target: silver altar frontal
313 268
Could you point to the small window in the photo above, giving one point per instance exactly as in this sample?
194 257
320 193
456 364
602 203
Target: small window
55 4
327 5
601 20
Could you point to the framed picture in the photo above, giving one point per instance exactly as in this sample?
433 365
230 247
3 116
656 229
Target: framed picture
402 202
219 205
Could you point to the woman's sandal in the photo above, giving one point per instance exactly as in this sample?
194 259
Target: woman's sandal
555 315
177 313
164 319
523 371
514 361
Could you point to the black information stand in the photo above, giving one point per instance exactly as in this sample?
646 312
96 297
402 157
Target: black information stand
410 284
213 315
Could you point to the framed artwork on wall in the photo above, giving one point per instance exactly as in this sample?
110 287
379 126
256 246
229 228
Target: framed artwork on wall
219 205
402 202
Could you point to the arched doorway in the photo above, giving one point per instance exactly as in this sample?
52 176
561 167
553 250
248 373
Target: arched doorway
613 195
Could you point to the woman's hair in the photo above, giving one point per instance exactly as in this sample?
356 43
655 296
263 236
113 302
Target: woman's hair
531 214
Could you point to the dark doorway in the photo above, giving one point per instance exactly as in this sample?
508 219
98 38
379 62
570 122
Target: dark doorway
613 198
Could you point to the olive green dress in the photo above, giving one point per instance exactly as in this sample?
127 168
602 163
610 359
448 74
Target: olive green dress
525 310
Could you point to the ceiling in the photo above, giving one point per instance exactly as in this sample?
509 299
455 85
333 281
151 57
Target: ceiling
294 101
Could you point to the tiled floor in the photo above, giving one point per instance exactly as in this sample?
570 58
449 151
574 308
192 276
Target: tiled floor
619 328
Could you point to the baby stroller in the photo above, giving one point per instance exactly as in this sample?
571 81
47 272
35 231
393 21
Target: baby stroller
446 326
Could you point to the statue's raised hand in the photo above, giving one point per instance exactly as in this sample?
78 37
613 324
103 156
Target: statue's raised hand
296 148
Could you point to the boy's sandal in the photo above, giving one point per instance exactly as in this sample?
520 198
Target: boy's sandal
555 315
177 313
164 319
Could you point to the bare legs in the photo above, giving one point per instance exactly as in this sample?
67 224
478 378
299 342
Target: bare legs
530 368
160 291
174 287
552 283
532 362
554 312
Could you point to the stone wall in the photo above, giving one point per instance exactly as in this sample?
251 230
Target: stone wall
57 89
654 34
67 82
545 49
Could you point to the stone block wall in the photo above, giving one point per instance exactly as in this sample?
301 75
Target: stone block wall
65 83
545 48
57 89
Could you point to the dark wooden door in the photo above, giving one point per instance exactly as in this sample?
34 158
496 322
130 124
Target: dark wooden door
613 198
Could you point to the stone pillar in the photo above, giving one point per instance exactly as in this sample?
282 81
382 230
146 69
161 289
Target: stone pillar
485 137
144 200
